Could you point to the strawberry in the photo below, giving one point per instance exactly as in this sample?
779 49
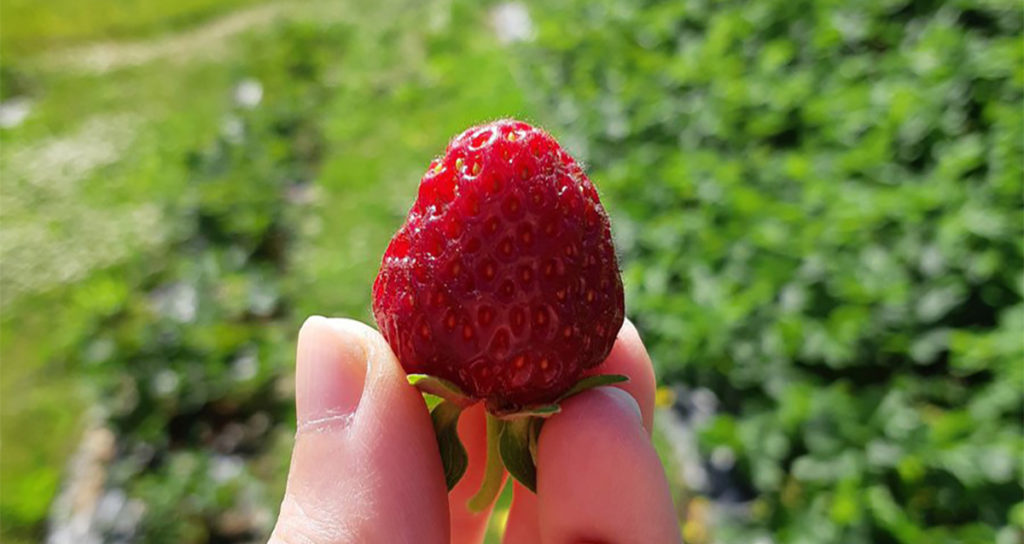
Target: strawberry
502 285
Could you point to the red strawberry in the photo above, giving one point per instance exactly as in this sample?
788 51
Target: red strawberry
501 286
503 279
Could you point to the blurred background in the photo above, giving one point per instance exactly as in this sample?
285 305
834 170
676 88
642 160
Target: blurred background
818 204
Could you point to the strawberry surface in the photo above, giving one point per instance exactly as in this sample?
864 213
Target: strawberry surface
503 279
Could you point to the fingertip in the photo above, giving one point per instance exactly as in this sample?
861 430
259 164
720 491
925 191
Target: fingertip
629 357
598 476
594 413
628 328
331 368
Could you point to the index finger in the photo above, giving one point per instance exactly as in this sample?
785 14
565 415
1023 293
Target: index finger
598 476
629 358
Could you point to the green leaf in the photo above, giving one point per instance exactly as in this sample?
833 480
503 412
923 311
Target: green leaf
432 401
445 417
439 387
514 443
493 472
591 382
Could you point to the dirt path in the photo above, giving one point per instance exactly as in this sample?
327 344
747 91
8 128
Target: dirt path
210 40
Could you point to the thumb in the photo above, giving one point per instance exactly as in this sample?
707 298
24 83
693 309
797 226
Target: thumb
358 471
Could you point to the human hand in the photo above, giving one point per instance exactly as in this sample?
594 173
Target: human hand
365 466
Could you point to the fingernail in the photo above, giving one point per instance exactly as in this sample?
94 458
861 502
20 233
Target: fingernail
624 400
330 371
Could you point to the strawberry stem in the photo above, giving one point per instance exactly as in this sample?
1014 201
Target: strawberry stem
432 385
494 472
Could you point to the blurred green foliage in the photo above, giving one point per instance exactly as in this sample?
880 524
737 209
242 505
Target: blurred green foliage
193 362
79 231
819 207
267 212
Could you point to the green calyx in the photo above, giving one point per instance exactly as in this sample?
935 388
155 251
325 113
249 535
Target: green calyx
511 436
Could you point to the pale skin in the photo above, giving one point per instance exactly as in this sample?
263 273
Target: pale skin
365 466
